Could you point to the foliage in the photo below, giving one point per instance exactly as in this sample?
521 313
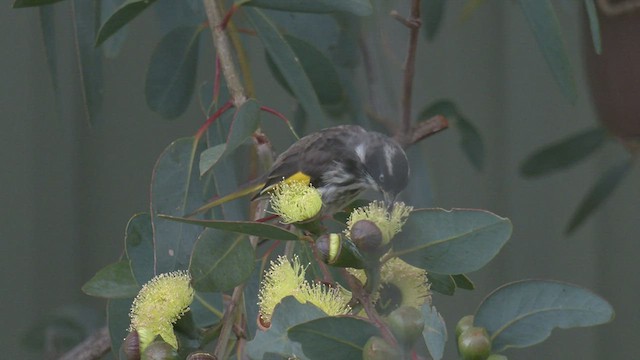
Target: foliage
225 248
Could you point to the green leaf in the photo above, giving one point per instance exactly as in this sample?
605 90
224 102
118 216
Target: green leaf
113 281
321 72
598 194
207 308
288 313
220 260
172 71
463 282
432 13
356 7
118 323
121 17
210 157
139 247
434 332
28 3
176 189
344 336
111 47
263 230
451 242
594 25
89 58
470 138
523 313
286 61
546 28
564 153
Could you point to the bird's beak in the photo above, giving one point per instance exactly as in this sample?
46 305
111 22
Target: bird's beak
389 199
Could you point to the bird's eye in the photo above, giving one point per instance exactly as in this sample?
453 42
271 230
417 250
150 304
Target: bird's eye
381 178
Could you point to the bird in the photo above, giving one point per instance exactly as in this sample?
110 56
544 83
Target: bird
341 162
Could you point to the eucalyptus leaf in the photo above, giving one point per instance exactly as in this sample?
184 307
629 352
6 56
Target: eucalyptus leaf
463 282
176 189
172 71
220 260
321 72
274 340
263 230
451 242
594 25
89 58
563 153
344 336
113 281
139 247
600 191
432 13
434 332
447 284
28 3
118 323
286 61
210 157
111 46
546 28
524 313
121 17
356 7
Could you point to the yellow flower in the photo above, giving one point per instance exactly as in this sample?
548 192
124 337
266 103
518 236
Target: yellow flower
286 278
158 305
389 224
295 201
401 284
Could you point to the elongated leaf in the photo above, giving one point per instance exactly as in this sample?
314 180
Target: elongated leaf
463 282
111 46
288 313
139 247
432 13
344 336
444 284
220 260
267 231
89 58
245 123
451 242
113 281
470 138
176 189
564 153
29 3
121 17
598 194
356 7
321 72
210 157
523 313
172 71
286 61
546 28
118 323
434 332
594 25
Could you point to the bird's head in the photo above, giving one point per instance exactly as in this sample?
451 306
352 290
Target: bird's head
386 164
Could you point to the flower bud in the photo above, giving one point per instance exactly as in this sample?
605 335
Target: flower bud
336 250
378 349
366 235
464 323
474 344
496 357
406 323
131 346
201 356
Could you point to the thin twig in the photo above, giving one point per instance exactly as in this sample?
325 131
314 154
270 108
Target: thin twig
423 130
413 23
94 347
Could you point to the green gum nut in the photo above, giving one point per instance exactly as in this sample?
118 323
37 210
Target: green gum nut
366 235
406 323
201 356
131 346
474 344
496 357
159 350
378 349
337 250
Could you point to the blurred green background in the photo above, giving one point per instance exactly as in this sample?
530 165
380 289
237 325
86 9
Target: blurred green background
67 189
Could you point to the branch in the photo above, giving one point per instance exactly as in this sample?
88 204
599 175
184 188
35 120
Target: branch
94 347
413 23
422 130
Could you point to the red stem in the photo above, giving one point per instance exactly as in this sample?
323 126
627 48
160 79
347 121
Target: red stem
228 105
413 22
